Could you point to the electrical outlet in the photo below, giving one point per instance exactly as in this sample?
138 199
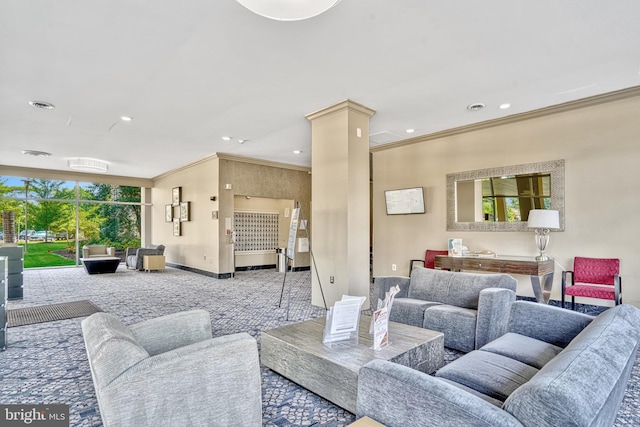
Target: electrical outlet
330 279
394 267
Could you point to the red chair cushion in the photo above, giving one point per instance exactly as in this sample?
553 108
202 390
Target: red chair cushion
599 271
589 291
430 257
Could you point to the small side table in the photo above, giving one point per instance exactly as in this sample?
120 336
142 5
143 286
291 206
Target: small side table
153 262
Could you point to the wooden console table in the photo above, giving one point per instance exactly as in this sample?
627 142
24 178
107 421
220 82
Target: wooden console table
541 272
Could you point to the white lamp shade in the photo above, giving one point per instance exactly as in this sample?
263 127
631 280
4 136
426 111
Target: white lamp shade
543 218
288 10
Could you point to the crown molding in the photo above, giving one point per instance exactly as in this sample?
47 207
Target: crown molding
541 112
230 157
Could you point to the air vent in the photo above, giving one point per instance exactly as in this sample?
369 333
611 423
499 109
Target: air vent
43 105
475 107
36 153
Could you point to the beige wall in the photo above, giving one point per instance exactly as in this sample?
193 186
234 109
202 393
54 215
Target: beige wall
601 148
204 243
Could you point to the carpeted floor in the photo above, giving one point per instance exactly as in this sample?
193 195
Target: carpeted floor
46 362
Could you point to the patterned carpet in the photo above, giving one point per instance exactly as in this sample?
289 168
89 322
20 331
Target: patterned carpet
46 362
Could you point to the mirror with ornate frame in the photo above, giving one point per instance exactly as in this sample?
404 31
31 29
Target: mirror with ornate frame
534 185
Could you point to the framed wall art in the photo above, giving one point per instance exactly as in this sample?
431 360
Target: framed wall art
175 196
184 211
168 213
176 226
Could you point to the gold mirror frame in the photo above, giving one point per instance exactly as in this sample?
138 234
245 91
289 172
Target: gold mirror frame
555 168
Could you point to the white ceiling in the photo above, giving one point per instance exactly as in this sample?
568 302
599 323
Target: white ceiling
192 71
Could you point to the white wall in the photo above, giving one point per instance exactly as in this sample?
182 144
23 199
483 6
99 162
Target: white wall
601 149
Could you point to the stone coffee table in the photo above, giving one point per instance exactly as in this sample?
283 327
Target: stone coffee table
296 352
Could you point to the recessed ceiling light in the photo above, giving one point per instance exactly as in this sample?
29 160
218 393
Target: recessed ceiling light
505 106
92 165
410 130
41 104
242 141
297 151
36 153
475 107
227 138
126 118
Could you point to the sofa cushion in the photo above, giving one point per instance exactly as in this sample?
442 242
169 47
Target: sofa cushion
97 249
111 347
494 402
527 350
454 288
457 324
492 374
585 383
409 311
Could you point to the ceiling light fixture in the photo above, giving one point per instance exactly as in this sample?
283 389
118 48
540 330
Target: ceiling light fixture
410 130
475 107
126 118
91 165
288 10
36 153
42 105
242 141
505 106
297 151
227 138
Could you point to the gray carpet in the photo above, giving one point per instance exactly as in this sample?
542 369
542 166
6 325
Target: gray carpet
47 363
50 313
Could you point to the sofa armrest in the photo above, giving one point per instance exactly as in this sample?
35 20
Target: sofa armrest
224 372
175 330
85 252
398 396
131 251
494 308
554 325
382 284
111 251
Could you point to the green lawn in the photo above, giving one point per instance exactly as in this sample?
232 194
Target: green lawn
41 255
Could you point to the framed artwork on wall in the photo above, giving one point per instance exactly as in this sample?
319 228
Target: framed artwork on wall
168 213
176 226
175 196
184 211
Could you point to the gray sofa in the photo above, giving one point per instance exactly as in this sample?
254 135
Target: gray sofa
470 309
134 257
169 371
553 367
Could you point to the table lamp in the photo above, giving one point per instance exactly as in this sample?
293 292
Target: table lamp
543 220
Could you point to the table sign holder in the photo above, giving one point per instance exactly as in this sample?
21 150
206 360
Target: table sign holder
380 319
343 322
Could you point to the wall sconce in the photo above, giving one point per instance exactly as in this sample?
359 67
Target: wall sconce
543 220
213 198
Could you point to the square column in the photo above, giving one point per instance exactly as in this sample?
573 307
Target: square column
340 206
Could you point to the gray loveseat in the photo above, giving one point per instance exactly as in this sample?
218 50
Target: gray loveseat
470 309
134 257
554 367
169 371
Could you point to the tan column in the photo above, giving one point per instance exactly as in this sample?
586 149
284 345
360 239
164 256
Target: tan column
340 201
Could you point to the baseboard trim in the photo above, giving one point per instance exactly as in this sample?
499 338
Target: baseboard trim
203 272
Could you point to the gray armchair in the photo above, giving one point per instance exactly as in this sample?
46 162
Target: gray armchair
134 257
169 371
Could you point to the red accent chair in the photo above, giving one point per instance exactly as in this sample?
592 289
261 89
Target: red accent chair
596 278
429 259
